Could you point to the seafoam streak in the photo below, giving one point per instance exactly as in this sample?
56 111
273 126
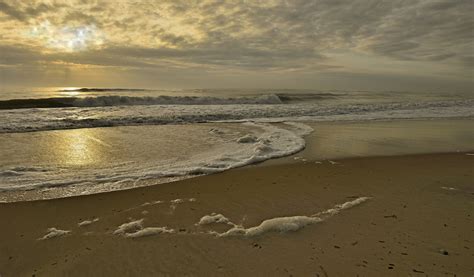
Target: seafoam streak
277 224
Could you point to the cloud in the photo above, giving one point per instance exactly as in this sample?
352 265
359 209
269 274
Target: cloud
11 11
23 12
17 55
253 35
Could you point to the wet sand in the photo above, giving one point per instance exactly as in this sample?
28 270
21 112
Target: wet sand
418 222
340 140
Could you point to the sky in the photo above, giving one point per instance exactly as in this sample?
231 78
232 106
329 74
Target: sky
389 45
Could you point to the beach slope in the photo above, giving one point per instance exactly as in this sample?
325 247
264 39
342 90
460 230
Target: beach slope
415 220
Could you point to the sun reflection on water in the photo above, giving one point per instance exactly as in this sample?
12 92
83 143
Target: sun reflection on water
69 91
79 147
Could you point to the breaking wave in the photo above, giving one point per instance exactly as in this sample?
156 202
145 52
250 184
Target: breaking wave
113 100
12 121
99 89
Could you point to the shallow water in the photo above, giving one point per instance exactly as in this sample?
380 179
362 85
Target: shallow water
155 136
84 161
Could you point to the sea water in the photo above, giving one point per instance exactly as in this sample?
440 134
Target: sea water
89 140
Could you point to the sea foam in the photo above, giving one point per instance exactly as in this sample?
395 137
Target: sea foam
214 218
135 229
173 100
129 227
149 231
278 224
53 233
87 222
118 100
12 121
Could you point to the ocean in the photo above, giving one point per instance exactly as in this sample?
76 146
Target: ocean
89 140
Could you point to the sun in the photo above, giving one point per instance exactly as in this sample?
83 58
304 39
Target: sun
68 38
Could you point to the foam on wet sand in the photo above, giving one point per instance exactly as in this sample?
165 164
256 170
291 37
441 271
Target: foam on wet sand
87 222
266 240
279 224
136 229
214 218
284 224
54 233
149 231
129 227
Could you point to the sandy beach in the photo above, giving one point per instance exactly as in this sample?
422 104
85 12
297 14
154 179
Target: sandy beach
236 138
405 215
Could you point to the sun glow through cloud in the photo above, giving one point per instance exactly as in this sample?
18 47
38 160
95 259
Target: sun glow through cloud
419 45
68 38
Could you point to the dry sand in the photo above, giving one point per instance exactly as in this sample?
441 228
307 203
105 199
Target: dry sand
418 222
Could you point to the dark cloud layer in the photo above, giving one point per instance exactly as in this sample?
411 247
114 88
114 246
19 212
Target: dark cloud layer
305 36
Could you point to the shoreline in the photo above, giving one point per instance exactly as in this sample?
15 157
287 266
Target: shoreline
328 142
291 160
393 233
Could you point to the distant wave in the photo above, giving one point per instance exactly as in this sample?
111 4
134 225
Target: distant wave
302 97
99 89
62 102
103 101
14 121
